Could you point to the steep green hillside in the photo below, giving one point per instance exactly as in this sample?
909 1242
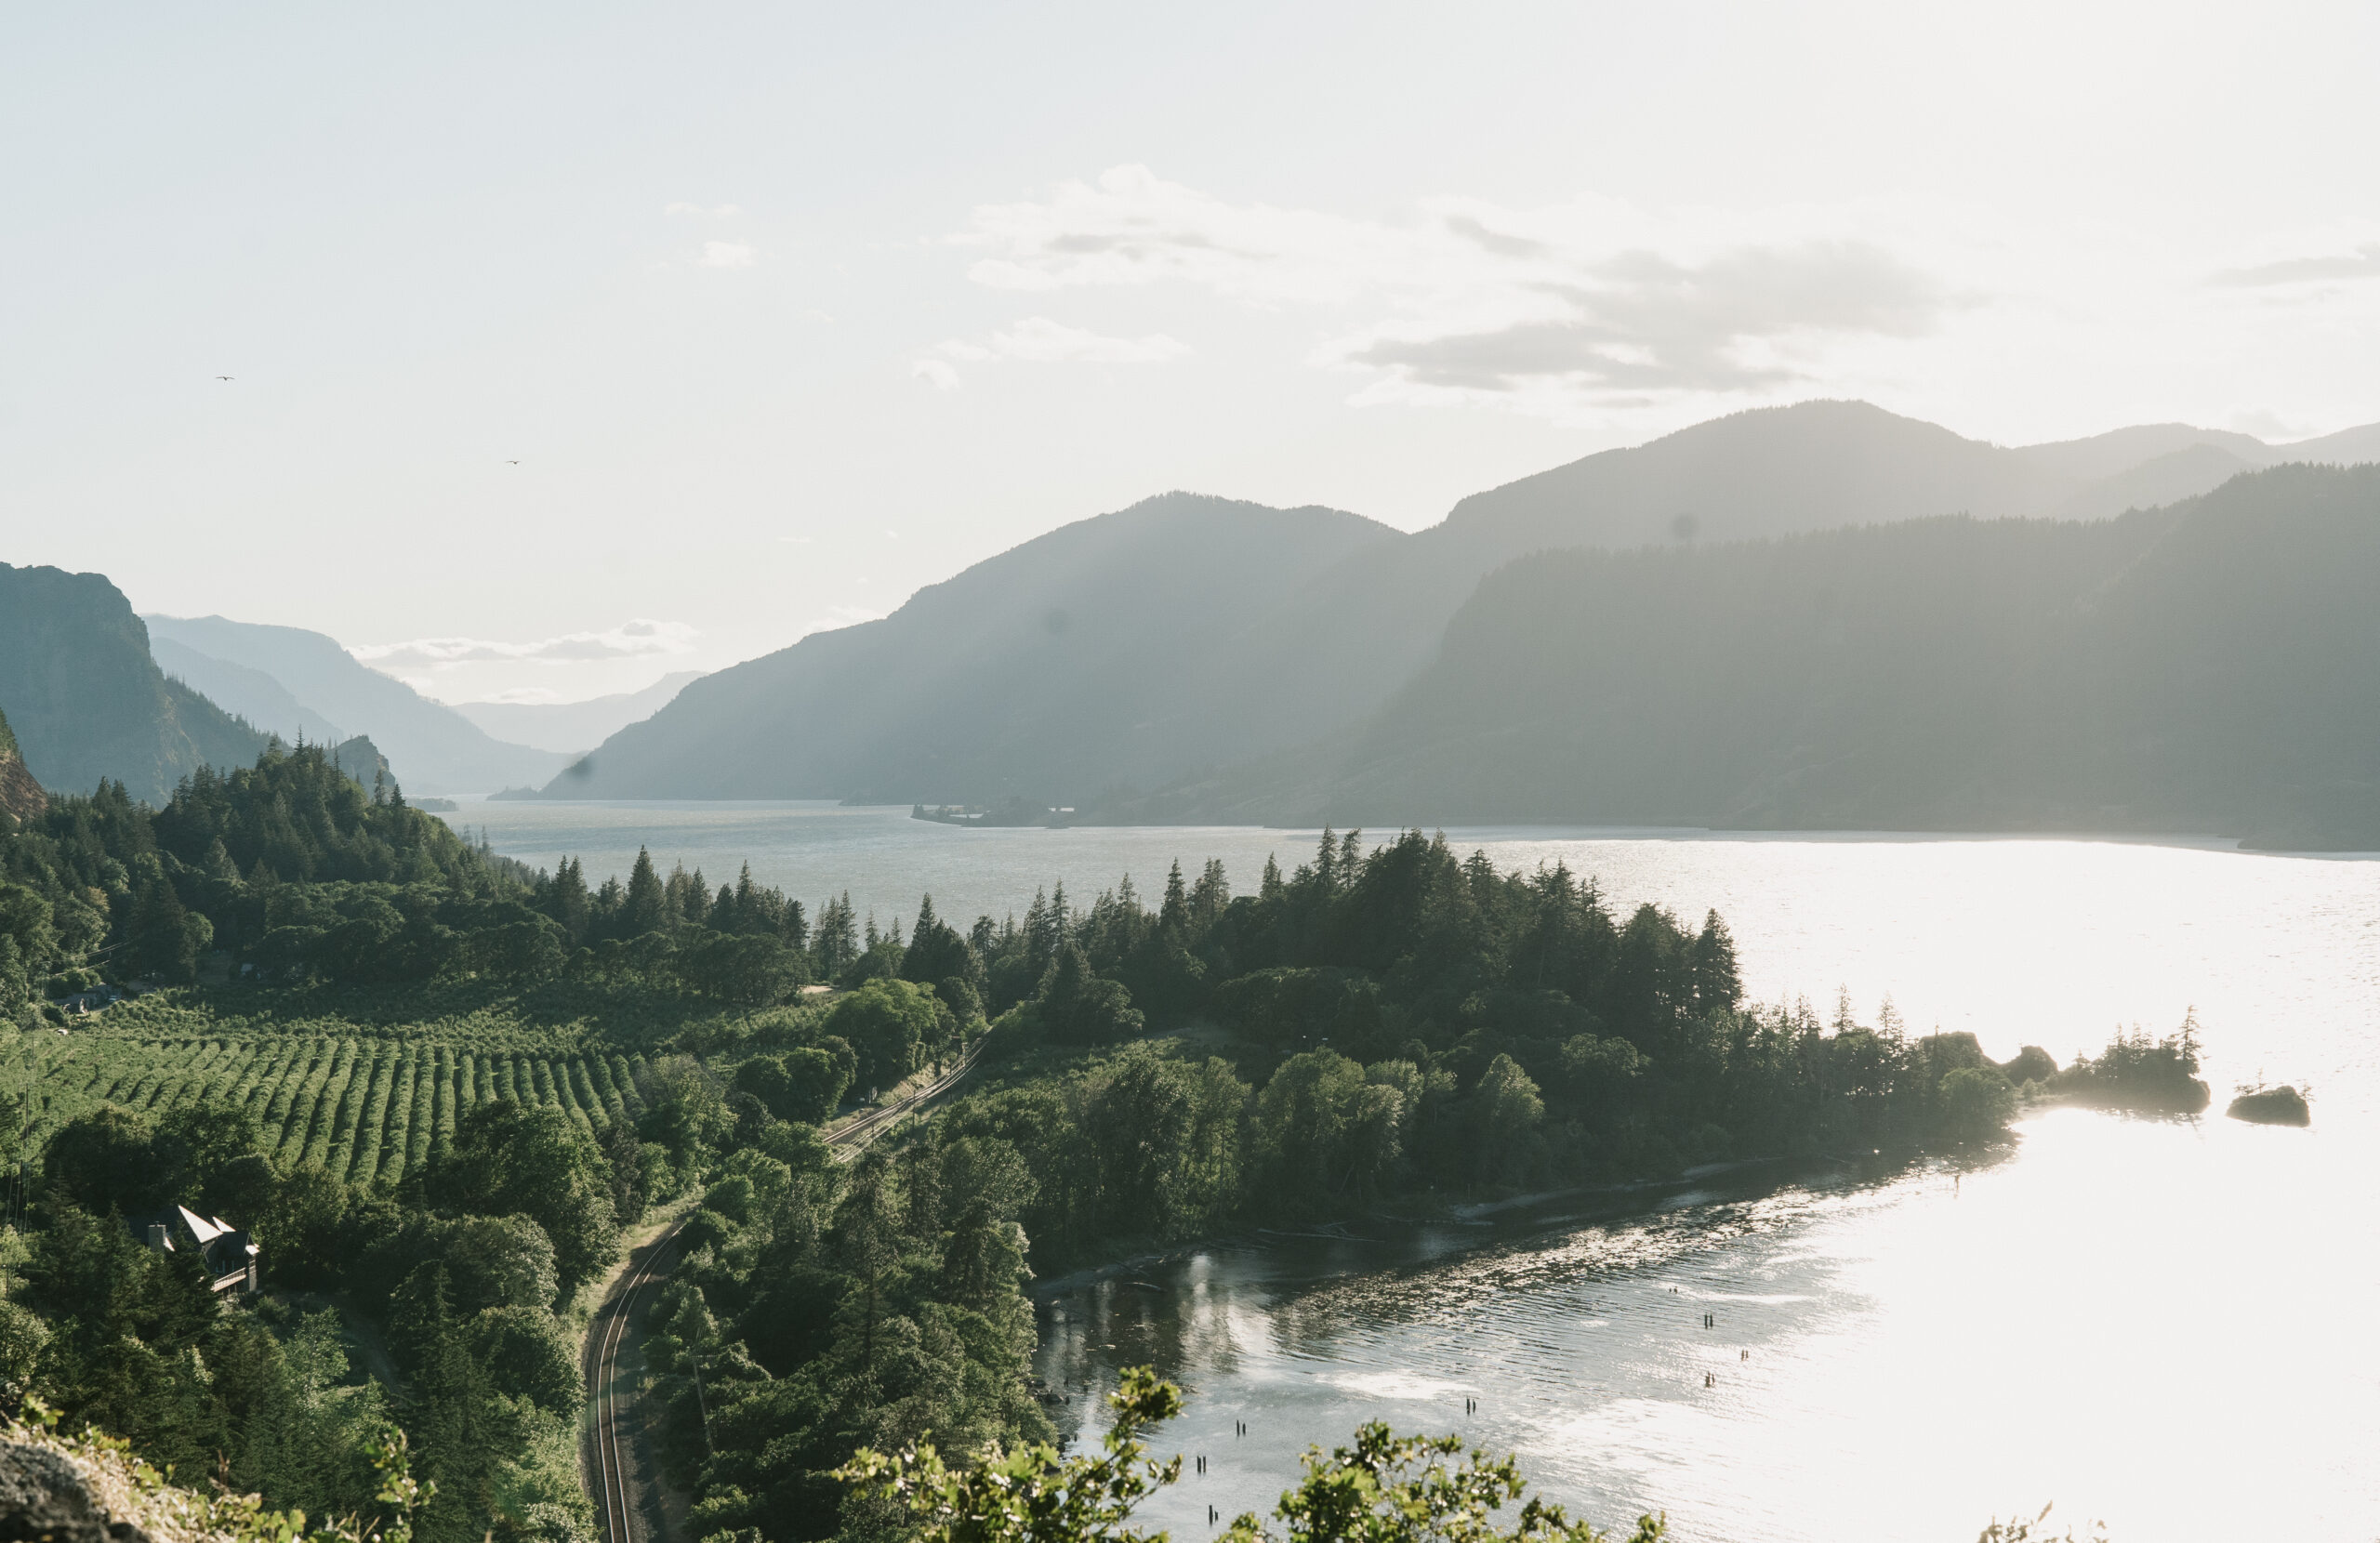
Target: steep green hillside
86 700
2204 669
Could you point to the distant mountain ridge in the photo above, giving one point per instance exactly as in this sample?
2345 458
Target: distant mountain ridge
244 692
88 703
1254 636
575 727
1085 649
432 747
2204 669
2178 670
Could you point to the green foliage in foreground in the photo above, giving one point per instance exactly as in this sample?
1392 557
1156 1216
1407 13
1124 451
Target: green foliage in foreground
447 1287
1384 1489
137 1495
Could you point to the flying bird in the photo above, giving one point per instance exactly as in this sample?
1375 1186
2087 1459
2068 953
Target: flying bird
512 463
223 377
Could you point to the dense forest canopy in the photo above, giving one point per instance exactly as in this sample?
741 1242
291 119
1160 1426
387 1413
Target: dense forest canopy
440 1089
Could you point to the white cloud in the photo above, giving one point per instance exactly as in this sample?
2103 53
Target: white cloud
1641 322
1592 302
839 616
1133 228
1039 340
728 253
1042 341
630 640
2360 262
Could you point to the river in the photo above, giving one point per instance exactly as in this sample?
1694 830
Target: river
2167 1325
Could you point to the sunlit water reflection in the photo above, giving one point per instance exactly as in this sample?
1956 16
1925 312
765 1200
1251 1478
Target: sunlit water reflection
2169 1326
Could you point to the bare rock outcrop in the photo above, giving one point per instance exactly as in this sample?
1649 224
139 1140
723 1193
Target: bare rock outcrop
45 1499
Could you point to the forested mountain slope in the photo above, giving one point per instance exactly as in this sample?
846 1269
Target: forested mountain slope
1197 639
87 701
2207 668
1360 631
434 748
1079 660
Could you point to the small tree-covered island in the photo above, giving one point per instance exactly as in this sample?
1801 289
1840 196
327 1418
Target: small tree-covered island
331 1133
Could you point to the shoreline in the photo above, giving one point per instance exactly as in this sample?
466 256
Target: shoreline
1041 1291
2247 845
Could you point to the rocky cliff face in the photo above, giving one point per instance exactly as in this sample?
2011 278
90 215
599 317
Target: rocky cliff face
88 703
19 795
44 1497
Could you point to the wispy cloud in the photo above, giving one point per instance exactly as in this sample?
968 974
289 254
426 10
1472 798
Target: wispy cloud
1039 340
1642 321
835 617
1589 302
728 253
1131 227
630 640
2362 262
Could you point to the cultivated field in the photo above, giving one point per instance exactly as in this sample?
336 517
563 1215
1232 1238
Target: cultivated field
363 1084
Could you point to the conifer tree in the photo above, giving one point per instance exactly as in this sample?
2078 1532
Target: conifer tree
567 899
1717 986
1211 893
1176 913
647 899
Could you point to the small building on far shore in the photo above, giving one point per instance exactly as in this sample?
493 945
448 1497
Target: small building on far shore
233 1261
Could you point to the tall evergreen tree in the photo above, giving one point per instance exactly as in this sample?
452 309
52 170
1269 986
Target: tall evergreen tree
567 899
648 899
1174 915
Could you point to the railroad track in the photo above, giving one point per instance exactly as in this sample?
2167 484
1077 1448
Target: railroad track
616 1497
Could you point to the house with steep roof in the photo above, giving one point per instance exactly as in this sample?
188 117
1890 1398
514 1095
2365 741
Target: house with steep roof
233 1262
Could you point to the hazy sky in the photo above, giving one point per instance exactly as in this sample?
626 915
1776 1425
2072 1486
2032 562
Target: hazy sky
784 310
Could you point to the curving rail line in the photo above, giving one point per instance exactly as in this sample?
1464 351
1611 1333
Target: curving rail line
614 1496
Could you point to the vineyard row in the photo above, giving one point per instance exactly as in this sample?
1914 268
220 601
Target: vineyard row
366 1110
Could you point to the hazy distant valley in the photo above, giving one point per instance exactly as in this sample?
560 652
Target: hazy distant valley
1819 616
1989 640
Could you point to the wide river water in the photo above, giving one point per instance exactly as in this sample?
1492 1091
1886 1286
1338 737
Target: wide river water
2172 1326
